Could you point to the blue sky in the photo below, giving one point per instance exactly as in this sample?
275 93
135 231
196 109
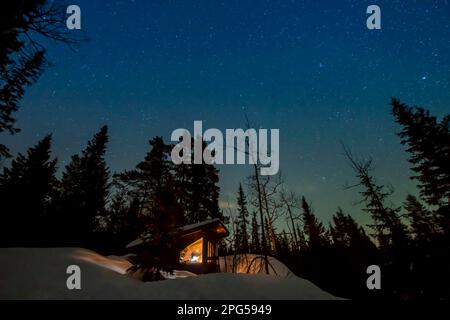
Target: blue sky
309 68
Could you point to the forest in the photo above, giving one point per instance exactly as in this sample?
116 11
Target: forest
84 204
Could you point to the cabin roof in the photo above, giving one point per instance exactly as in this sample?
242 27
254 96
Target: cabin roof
204 224
135 243
213 224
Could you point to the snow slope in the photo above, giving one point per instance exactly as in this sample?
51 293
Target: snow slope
35 273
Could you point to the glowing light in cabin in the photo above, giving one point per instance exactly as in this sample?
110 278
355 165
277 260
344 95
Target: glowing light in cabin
195 257
193 252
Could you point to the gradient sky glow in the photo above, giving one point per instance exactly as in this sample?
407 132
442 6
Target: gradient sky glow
310 68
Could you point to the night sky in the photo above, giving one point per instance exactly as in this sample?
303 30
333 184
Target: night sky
310 68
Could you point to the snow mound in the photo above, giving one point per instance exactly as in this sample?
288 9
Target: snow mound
253 264
114 263
37 273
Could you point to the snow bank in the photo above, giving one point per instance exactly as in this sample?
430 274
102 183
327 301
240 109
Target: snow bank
114 263
29 273
253 264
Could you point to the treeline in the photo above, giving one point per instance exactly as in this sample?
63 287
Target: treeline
89 207
409 242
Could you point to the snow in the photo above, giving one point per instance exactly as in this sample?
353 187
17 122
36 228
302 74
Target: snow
38 273
185 229
176 274
135 243
114 263
253 264
200 224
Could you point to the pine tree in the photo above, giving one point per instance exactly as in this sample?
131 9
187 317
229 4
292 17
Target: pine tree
84 191
256 245
428 143
26 189
312 227
242 236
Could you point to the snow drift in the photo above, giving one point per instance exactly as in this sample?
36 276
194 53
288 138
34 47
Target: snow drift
35 273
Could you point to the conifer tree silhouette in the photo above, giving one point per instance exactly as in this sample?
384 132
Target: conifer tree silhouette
26 189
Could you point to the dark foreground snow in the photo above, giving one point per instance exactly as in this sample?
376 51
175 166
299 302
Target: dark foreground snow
35 273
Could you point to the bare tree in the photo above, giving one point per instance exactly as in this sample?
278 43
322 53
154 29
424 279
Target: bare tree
290 201
269 189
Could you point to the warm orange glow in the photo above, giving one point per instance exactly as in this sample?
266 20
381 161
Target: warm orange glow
220 230
192 253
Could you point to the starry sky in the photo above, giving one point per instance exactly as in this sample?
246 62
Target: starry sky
309 68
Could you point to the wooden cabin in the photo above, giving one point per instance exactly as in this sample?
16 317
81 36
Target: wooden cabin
199 246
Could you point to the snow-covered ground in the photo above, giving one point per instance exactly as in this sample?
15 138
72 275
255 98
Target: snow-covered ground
36 273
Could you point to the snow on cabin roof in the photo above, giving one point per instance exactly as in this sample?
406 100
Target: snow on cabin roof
220 227
189 227
134 243
185 229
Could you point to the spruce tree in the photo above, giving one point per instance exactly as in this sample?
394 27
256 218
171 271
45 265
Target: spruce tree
84 192
345 232
301 238
242 221
283 246
256 245
354 251
153 187
271 249
389 229
161 251
121 225
26 189
428 142
149 177
198 190
422 221
312 227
